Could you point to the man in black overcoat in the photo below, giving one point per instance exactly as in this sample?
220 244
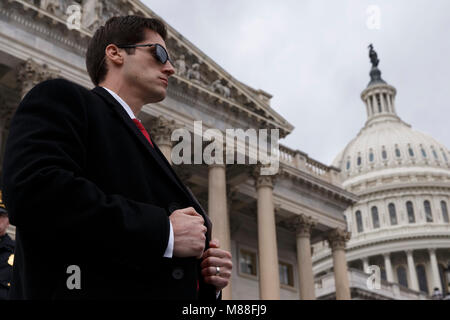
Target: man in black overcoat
99 211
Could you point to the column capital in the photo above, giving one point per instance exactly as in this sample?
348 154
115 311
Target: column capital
304 225
262 180
337 239
387 255
31 73
432 250
161 130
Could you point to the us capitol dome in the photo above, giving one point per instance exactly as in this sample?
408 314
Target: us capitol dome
401 222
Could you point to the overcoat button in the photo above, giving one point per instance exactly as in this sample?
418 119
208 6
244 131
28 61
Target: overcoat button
178 273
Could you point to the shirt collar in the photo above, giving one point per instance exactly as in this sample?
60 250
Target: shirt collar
122 103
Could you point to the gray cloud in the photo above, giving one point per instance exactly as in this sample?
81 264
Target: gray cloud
312 56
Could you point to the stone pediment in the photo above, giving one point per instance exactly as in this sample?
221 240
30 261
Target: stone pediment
80 18
204 74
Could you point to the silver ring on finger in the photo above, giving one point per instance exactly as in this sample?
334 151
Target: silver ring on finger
217 271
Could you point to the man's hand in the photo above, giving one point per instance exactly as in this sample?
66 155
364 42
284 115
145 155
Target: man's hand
188 232
213 258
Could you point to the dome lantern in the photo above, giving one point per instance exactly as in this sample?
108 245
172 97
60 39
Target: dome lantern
379 96
386 143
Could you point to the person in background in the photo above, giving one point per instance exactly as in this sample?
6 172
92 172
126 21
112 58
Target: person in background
437 295
6 254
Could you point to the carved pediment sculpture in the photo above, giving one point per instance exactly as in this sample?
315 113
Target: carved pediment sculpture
92 14
190 65
193 74
31 73
52 6
180 66
221 89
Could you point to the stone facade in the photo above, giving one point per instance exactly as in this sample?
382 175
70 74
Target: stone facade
45 39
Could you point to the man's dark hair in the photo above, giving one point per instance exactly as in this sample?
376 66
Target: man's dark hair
3 212
118 30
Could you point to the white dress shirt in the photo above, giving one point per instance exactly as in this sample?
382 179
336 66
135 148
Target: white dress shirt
169 250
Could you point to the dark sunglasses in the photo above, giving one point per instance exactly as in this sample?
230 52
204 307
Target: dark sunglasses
160 53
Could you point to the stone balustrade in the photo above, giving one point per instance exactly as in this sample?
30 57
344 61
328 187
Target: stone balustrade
324 286
417 230
302 161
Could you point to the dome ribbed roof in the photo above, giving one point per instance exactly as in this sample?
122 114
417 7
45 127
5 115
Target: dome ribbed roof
390 144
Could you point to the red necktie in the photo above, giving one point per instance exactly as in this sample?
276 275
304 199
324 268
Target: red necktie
144 132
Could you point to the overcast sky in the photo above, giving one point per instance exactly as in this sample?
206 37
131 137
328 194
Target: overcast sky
312 56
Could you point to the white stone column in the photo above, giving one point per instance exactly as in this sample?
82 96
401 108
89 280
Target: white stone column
413 282
383 102
337 239
304 226
218 212
368 107
161 132
389 102
388 267
435 269
374 104
366 264
393 103
269 279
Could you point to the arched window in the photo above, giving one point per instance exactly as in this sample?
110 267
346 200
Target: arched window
444 211
422 277
359 222
401 276
435 154
410 210
375 218
397 152
371 156
428 213
359 160
392 214
411 152
384 154
445 156
424 153
348 165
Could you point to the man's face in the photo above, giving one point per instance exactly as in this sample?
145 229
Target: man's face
144 73
4 223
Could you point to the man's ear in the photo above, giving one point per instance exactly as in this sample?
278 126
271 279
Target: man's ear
114 54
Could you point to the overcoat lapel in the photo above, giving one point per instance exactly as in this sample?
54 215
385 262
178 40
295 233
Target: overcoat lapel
155 153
